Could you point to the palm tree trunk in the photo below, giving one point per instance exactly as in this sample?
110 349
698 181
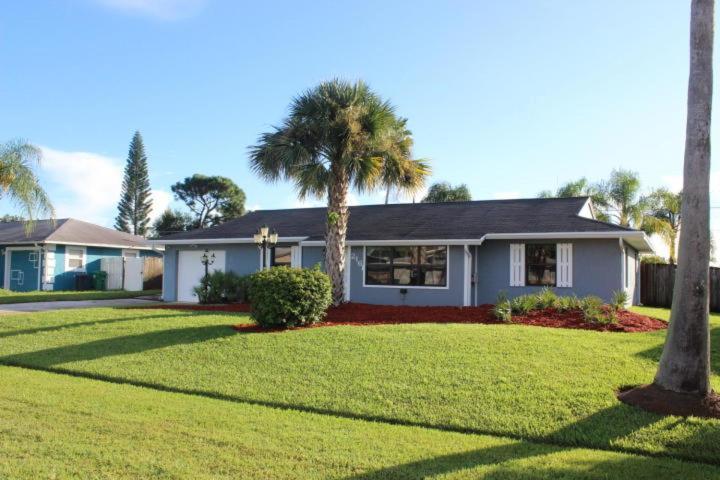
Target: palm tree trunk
337 222
685 362
673 247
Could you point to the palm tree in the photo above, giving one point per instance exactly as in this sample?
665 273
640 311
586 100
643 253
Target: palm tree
684 368
338 135
663 217
685 362
19 182
582 188
403 173
623 203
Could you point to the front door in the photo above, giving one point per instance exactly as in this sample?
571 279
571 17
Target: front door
24 270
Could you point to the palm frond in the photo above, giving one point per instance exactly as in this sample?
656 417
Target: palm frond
19 182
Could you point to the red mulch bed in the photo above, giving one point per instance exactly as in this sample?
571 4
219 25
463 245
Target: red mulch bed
364 314
665 402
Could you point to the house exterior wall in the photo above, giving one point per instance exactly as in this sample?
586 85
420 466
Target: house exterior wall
390 295
597 269
312 256
65 280
242 259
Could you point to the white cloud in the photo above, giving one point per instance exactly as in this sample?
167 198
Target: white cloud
253 208
675 182
506 195
160 9
161 200
83 185
87 186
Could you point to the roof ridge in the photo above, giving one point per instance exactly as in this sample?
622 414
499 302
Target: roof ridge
429 204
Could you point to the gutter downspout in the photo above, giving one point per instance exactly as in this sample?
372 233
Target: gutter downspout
477 269
623 273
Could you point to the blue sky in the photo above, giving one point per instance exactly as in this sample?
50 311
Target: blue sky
508 97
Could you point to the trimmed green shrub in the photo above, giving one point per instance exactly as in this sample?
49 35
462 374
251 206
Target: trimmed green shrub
289 297
619 300
221 287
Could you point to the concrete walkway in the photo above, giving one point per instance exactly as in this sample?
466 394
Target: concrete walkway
63 305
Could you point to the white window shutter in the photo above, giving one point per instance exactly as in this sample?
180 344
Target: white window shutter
517 265
564 265
295 257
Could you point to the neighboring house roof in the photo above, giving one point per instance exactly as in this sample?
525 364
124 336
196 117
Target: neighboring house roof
422 221
68 231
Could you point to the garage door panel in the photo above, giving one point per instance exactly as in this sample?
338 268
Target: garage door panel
191 271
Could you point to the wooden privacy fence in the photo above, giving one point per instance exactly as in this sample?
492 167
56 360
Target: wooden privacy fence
657 282
152 273
144 273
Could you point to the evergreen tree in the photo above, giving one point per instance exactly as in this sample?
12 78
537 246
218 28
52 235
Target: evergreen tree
444 192
135 202
172 221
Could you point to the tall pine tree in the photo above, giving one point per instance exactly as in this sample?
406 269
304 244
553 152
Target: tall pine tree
135 202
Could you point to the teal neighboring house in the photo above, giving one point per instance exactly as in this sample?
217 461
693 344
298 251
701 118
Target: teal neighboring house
54 253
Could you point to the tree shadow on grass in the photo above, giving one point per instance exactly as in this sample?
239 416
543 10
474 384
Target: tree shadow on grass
87 323
515 461
124 345
655 352
595 431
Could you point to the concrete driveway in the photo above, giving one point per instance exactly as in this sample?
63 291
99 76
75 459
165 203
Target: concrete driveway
63 305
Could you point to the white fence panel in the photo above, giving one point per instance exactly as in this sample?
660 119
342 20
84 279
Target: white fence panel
133 274
114 268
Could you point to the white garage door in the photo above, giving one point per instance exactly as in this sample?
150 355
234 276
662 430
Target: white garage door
191 271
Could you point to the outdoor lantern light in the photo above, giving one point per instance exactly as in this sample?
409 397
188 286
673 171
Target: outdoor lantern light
264 239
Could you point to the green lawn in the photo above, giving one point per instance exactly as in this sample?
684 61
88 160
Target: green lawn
56 426
549 385
6 296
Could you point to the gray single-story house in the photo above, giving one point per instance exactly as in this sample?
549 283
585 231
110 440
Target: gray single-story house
54 252
457 253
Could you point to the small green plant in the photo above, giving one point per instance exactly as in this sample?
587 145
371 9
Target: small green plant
503 309
567 303
523 304
595 311
546 298
289 297
619 300
221 287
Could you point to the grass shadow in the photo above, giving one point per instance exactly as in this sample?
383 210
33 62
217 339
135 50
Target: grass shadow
606 425
88 323
124 345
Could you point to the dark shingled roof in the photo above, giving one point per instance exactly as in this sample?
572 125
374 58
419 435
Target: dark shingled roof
418 221
67 230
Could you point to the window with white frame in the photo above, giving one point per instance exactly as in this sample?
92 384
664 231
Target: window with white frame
281 257
406 266
541 264
75 259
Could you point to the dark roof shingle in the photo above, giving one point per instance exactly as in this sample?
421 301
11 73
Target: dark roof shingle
67 230
418 221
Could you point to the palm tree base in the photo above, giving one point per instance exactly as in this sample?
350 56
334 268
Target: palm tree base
666 402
